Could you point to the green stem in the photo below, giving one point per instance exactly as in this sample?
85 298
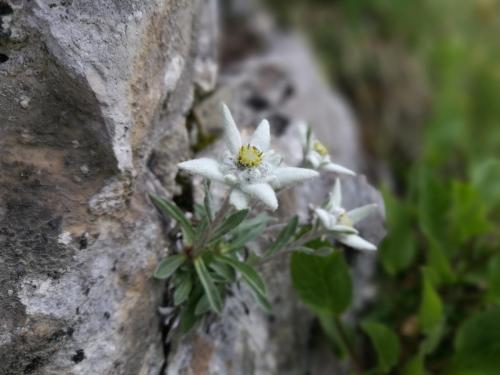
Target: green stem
295 244
355 360
207 234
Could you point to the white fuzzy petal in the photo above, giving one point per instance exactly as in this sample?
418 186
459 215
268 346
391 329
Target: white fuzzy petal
356 242
263 192
344 229
303 130
238 199
231 133
358 214
261 138
204 166
335 199
286 176
314 159
325 217
332 167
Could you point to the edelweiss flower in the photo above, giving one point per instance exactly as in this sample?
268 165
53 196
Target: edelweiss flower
341 223
317 155
252 169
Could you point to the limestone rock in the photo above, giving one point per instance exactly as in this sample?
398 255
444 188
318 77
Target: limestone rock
88 91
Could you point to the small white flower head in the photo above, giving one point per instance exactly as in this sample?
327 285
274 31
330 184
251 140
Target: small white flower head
341 222
251 168
316 154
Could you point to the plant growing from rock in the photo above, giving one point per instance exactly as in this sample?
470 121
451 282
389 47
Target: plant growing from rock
214 252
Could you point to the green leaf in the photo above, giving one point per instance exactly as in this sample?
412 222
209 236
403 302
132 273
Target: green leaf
468 213
283 237
485 177
225 271
433 204
432 339
203 305
246 233
477 344
199 211
251 277
169 265
183 288
229 223
439 263
494 280
175 212
386 344
188 318
323 283
397 251
431 308
415 366
207 200
211 290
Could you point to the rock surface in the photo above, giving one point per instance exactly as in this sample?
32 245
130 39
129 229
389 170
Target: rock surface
93 103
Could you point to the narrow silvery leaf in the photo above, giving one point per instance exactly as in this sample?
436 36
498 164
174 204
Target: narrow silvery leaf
332 167
251 277
205 167
335 199
188 318
223 270
261 138
183 289
283 237
358 214
209 287
247 235
203 306
207 200
169 265
343 229
356 242
231 133
174 212
230 223
247 272
325 217
286 176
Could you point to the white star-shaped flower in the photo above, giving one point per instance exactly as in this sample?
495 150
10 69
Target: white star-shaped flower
341 222
317 155
252 169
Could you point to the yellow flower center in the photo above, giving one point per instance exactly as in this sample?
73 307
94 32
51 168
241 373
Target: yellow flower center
320 148
345 220
249 156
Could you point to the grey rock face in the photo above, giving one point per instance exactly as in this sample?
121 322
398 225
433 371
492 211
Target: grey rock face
90 93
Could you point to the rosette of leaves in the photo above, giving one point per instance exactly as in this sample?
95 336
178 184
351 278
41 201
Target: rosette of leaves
213 256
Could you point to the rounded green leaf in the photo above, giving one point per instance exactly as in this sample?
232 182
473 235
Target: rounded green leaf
431 308
323 283
386 344
169 265
477 344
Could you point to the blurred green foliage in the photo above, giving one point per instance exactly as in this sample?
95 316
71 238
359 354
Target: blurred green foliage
424 79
